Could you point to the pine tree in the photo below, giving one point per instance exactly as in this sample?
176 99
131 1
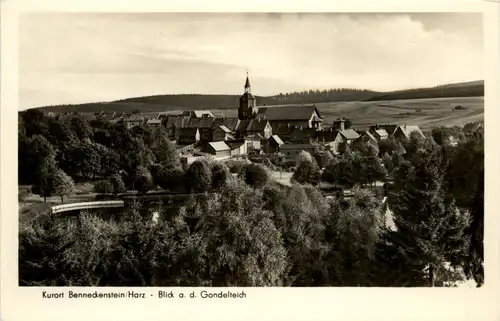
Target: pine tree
430 229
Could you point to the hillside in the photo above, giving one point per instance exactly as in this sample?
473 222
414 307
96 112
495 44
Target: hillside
161 103
467 89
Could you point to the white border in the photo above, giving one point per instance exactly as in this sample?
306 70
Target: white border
261 304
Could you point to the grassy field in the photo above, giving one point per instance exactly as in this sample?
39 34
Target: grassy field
426 113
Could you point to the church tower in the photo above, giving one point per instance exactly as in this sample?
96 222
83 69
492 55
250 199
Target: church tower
248 103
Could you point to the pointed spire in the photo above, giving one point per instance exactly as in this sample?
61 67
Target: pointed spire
247 84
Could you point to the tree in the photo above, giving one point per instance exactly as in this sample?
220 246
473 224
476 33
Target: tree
118 184
32 153
165 152
388 146
373 169
89 159
63 184
198 177
430 229
326 159
104 187
235 241
43 184
81 128
307 172
388 164
142 179
254 175
169 177
220 175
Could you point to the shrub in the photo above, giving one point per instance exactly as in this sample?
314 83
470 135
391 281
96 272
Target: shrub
254 175
198 177
220 175
104 187
143 180
118 184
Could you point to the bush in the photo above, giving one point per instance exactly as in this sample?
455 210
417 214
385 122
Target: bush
235 166
198 177
118 184
220 175
104 187
143 180
254 175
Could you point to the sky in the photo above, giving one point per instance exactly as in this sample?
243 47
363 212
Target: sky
70 58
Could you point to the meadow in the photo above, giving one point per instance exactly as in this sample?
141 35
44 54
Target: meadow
426 113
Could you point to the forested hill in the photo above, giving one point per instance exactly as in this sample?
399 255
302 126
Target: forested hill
200 101
468 89
161 103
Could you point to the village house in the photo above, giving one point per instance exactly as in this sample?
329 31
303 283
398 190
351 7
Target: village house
221 133
204 125
339 124
272 145
302 135
406 131
379 134
218 149
291 151
199 114
306 116
389 128
188 136
259 126
154 123
241 128
326 135
238 147
133 120
346 136
174 123
230 122
366 137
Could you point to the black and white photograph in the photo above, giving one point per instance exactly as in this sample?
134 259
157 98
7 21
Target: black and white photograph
237 149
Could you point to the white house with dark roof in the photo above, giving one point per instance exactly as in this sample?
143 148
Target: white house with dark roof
218 149
406 131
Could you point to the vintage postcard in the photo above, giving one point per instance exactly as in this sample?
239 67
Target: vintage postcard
214 164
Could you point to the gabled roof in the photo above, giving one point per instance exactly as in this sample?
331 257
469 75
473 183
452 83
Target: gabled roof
288 112
204 122
229 122
284 131
408 130
257 125
188 131
381 132
277 139
326 135
369 135
224 129
242 125
235 143
219 146
177 121
389 128
349 134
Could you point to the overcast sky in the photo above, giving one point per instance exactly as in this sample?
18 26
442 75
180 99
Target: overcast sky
85 57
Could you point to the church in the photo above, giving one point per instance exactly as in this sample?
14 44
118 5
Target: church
301 116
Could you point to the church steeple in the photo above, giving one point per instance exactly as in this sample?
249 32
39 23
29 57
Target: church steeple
247 85
248 105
